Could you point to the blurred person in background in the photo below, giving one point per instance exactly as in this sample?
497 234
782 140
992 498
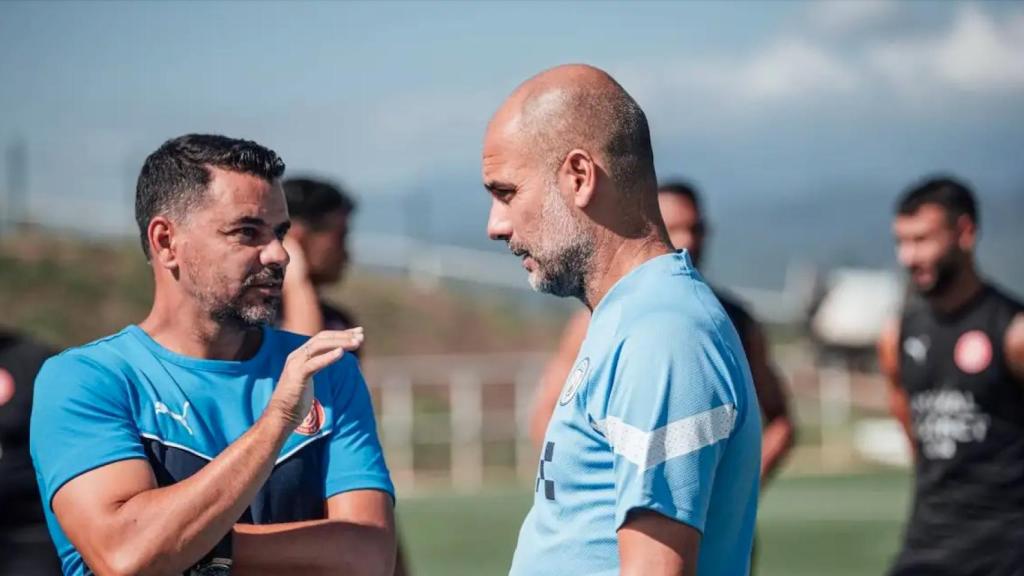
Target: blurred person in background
25 547
317 244
681 210
650 464
955 363
202 440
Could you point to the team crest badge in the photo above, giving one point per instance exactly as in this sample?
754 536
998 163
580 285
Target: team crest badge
973 352
313 421
575 381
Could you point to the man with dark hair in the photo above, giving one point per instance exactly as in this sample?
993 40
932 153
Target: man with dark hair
25 548
318 245
650 464
202 438
955 362
680 208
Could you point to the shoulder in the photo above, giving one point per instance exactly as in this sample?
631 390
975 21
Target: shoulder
692 325
1011 303
92 364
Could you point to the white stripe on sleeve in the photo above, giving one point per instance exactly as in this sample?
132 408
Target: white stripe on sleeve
686 435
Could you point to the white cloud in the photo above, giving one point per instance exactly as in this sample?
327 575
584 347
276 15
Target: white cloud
977 54
792 69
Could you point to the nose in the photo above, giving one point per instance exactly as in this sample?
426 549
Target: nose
275 254
499 227
906 254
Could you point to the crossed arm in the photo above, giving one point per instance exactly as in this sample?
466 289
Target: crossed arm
122 523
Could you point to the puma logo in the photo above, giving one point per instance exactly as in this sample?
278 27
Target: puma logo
162 408
917 348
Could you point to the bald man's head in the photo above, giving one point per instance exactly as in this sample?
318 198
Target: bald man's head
581 107
567 159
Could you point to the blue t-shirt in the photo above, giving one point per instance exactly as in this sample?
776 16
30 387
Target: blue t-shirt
659 413
126 396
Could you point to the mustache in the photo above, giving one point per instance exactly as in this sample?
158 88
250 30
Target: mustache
518 251
273 276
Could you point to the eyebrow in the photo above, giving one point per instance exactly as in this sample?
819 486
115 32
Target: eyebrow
281 228
495 185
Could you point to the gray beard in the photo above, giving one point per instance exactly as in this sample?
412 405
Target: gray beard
563 270
566 275
245 316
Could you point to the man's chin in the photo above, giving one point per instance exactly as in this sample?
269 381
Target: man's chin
253 316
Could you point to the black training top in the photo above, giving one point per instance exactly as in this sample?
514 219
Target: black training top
967 413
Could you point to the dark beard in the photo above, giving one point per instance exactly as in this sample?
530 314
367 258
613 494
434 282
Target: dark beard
946 271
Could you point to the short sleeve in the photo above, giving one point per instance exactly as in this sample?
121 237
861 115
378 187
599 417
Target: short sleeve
81 420
670 414
355 460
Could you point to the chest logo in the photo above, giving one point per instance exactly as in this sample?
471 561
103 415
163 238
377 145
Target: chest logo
917 348
314 421
572 385
973 352
162 408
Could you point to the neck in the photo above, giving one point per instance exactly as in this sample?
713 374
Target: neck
176 323
963 287
616 257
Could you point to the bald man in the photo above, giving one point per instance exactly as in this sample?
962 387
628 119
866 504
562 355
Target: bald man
650 464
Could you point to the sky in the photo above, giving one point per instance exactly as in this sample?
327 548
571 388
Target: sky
817 114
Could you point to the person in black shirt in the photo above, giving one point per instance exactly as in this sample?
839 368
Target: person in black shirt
955 362
25 546
318 246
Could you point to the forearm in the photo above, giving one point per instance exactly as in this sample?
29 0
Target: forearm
301 308
312 548
777 441
166 530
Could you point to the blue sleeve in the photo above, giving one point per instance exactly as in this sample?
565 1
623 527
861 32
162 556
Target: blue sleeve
670 413
355 460
81 420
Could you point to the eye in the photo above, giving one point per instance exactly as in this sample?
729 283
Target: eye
248 233
503 195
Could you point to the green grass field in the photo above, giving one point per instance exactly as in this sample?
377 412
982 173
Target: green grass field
808 526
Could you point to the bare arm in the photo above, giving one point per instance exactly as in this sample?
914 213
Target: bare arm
654 545
122 523
555 373
889 363
1014 344
358 537
300 301
779 432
